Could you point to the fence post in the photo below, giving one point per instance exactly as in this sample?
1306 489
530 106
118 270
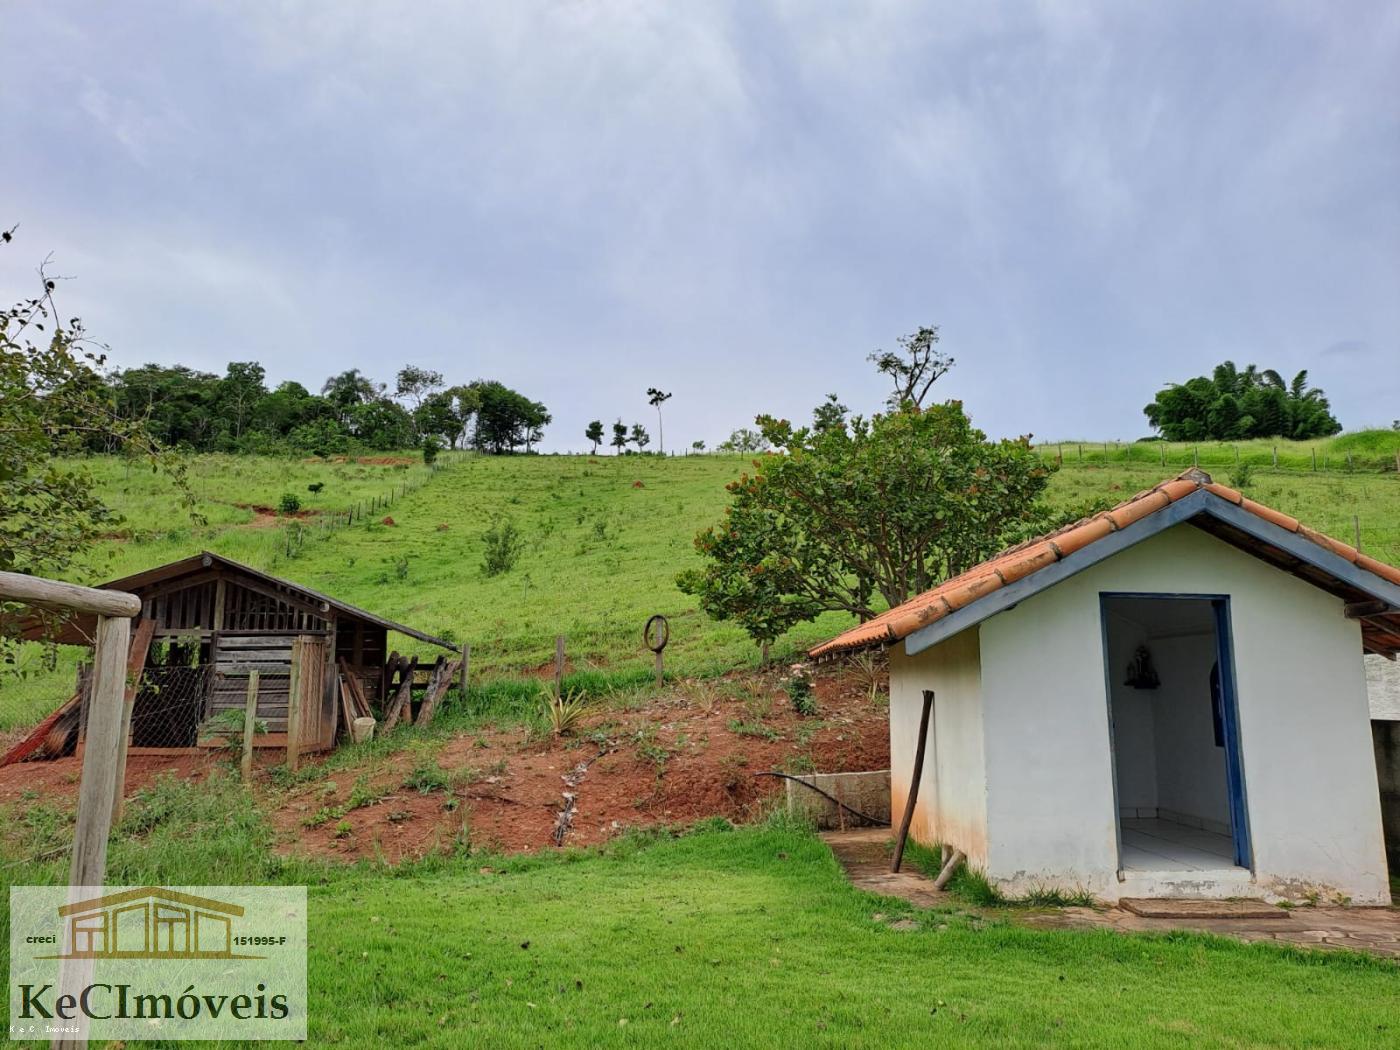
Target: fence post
1314 454
559 665
135 663
97 786
466 665
250 720
1275 456
294 709
1356 529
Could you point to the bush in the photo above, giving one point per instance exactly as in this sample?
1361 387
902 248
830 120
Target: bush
1242 477
431 448
289 503
799 690
504 545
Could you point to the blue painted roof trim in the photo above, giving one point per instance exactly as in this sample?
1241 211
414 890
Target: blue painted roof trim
1200 502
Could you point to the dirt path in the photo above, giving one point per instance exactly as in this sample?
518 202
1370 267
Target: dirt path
864 853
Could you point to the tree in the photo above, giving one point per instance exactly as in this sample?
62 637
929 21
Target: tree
350 388
1235 405
415 384
863 516
914 367
699 446
656 398
744 440
829 415
619 436
594 433
239 393
506 419
640 437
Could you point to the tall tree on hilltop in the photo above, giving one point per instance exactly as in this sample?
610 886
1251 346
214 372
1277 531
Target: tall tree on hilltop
594 433
656 398
619 436
640 437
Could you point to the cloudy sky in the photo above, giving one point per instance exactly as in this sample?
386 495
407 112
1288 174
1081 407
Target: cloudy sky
736 202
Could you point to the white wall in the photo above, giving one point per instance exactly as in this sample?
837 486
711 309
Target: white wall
1383 685
1310 781
952 804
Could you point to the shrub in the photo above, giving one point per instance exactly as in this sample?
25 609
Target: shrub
315 487
799 690
431 448
564 713
289 503
504 545
1242 477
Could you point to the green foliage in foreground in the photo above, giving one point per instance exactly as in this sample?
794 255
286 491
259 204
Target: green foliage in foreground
722 938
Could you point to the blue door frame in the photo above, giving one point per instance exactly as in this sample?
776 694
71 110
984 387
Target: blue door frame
1230 717
1229 714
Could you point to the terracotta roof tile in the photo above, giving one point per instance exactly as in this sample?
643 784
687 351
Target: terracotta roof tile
1030 557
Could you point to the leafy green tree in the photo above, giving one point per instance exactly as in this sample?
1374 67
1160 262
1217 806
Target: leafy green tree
619 436
239 393
1235 405
594 433
745 440
350 388
506 419
864 515
639 436
829 415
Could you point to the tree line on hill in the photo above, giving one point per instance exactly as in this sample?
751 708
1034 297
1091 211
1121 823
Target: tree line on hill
237 412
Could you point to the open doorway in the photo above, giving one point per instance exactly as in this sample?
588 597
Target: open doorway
1177 778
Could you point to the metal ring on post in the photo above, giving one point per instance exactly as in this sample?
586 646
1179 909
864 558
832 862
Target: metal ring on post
656 642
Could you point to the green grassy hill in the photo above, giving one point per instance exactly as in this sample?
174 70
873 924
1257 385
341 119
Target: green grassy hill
605 537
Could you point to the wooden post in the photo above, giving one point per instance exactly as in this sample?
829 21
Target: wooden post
250 721
1314 454
97 786
660 668
135 664
462 679
1275 456
559 665
294 709
913 798
1356 528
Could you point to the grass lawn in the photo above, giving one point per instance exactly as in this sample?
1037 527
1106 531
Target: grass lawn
605 537
722 938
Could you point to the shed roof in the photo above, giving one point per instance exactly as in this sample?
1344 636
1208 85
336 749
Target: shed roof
1371 587
78 627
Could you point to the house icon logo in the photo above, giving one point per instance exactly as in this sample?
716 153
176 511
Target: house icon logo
149 922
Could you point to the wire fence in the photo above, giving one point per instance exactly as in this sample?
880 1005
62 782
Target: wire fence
1180 455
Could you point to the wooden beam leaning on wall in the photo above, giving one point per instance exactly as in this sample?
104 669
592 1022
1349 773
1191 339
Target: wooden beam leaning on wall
135 666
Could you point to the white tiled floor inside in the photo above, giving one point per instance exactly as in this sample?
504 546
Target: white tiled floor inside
1153 844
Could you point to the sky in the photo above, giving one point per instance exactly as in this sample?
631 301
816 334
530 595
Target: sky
735 202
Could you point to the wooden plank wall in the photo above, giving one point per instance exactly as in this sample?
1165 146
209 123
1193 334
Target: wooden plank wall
268 654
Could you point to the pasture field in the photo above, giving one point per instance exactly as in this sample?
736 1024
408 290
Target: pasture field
722 937
603 540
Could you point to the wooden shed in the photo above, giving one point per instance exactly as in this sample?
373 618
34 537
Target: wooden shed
207 622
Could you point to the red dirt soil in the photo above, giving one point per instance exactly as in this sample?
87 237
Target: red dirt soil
687 754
